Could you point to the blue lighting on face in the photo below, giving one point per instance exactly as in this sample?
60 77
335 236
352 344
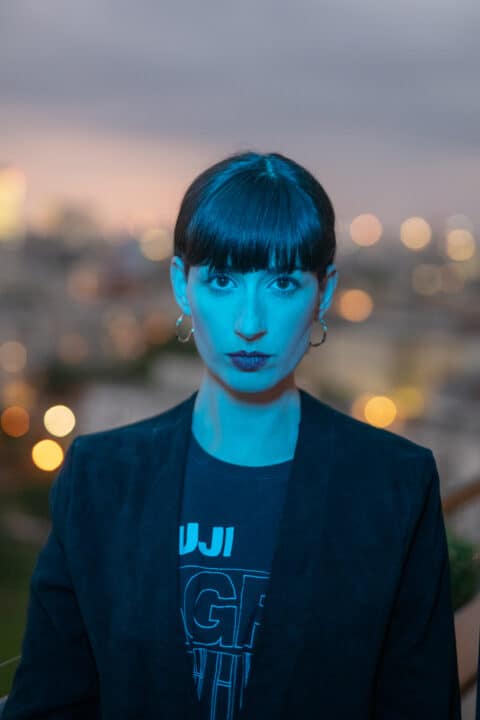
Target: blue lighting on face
294 284
265 311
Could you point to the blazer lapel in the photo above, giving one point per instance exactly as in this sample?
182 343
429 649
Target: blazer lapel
287 601
286 605
168 455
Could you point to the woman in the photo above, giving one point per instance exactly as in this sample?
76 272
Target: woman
252 552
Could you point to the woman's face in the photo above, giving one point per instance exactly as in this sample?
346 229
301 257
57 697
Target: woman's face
262 311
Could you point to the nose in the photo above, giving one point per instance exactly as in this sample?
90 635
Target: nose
249 324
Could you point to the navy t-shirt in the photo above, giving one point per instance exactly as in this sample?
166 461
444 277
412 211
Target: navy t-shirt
228 529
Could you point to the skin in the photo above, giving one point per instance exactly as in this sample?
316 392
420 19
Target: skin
249 418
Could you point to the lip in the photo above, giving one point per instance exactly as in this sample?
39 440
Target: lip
249 363
248 354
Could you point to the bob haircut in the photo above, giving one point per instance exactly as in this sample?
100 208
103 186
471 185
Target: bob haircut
255 211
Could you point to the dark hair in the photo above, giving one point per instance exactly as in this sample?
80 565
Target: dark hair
251 211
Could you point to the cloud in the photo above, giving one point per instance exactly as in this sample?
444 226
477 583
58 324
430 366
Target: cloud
124 102
223 70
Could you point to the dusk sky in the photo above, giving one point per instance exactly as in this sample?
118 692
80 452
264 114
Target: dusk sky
120 104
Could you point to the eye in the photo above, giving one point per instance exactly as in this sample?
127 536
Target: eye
281 278
211 278
287 278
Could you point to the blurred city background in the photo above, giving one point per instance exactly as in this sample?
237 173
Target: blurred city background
108 111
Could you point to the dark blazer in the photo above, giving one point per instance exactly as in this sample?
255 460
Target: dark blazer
358 621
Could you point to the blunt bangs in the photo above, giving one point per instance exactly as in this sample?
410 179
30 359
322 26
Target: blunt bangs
255 212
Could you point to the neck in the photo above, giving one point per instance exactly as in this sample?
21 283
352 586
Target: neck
247 428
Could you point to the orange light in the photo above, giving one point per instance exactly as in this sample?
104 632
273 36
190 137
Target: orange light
15 421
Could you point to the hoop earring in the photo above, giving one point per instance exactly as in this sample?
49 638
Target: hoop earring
187 337
324 326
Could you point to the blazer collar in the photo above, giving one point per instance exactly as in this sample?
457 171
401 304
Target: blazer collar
286 605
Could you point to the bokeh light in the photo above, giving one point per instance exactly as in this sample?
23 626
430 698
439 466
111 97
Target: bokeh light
354 305
15 421
415 233
366 229
460 244
59 420
47 455
380 411
155 243
18 392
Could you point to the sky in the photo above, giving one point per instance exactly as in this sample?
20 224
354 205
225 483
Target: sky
119 105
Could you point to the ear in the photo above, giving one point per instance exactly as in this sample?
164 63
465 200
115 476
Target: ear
329 286
179 284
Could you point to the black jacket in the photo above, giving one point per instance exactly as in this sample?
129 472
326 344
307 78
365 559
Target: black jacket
358 621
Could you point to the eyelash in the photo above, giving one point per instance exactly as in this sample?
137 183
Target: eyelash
280 277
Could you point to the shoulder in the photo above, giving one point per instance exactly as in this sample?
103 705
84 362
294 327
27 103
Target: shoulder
124 437
97 463
365 438
360 437
376 460
381 479
114 456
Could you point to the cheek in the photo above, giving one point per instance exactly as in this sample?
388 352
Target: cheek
298 317
203 308
210 319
